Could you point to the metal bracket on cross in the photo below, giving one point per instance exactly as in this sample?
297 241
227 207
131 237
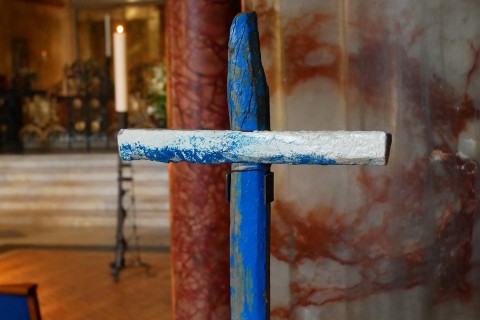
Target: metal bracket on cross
251 149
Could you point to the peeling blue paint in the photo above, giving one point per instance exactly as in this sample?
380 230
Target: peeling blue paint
249 214
249 238
248 94
228 154
214 146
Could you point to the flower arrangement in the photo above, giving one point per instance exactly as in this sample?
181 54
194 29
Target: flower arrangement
157 96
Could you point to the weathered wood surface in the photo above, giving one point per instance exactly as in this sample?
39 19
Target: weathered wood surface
248 104
210 146
248 94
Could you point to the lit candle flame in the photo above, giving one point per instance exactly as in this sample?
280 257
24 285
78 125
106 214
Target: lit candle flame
120 29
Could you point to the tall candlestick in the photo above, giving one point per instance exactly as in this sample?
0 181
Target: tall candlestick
108 36
121 100
120 67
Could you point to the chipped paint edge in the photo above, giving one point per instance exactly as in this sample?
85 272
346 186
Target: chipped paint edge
267 147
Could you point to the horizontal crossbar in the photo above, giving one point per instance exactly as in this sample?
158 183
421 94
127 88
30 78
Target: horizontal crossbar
268 147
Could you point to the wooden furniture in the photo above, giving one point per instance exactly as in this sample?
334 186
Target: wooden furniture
19 302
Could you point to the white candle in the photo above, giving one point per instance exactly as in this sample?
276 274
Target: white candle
108 36
120 69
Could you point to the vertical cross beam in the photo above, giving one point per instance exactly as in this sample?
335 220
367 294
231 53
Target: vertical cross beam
248 103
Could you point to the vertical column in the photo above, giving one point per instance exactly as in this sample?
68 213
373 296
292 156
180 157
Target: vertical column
197 43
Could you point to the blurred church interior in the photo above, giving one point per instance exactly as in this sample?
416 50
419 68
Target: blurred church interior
58 167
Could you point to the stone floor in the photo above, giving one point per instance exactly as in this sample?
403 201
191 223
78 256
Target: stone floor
71 268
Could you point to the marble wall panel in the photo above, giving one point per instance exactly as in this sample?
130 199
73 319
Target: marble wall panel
400 242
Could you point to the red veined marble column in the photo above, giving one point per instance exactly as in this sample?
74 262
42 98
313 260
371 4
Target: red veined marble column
197 42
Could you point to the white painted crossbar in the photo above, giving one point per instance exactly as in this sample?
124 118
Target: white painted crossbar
269 147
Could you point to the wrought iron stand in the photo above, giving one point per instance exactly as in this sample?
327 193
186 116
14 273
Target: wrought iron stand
125 189
120 242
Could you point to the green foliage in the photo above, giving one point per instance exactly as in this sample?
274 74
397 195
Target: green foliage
157 108
149 85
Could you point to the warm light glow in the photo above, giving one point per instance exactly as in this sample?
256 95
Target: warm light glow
44 55
120 29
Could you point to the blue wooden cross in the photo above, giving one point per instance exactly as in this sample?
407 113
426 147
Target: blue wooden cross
251 148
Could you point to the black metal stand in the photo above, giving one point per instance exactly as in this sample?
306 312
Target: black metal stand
121 243
108 66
